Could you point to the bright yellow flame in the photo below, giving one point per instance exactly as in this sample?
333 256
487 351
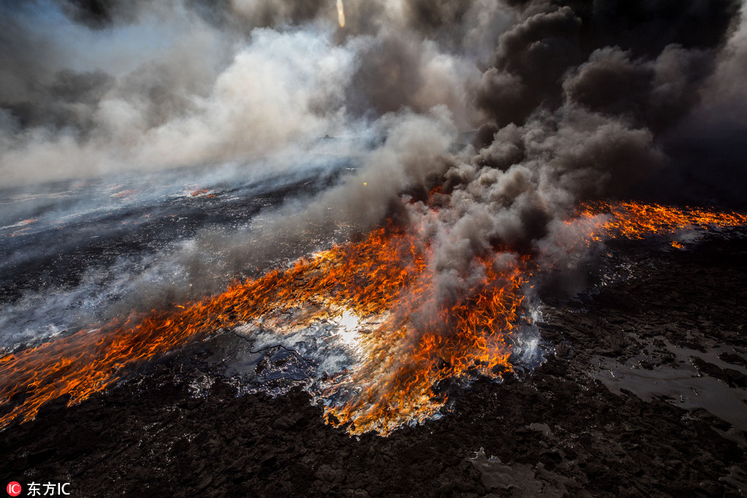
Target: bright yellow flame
340 13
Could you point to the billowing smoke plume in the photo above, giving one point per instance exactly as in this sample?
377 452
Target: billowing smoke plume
641 67
570 100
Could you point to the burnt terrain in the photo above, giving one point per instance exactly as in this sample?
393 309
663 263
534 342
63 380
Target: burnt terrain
609 413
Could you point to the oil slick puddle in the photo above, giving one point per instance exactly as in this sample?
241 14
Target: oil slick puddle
678 379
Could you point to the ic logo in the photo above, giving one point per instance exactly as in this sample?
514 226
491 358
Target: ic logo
13 488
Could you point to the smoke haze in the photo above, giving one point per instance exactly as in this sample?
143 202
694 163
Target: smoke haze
570 101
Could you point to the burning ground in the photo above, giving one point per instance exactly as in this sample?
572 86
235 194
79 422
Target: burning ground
180 428
368 292
389 210
378 294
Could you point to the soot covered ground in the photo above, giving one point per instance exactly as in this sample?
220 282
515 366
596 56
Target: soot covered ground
559 431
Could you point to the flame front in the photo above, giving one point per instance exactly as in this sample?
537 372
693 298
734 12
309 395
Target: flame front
410 337
417 339
633 220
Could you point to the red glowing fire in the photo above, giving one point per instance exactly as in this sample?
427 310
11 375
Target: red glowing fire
409 337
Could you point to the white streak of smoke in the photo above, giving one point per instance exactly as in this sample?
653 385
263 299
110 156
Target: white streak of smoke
264 100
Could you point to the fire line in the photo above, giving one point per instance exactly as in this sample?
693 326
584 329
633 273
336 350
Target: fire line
411 338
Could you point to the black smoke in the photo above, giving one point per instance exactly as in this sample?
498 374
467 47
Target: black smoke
634 70
618 44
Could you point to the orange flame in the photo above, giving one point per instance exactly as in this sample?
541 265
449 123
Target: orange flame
409 338
384 280
633 220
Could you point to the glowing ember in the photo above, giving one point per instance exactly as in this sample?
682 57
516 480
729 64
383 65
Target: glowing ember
381 295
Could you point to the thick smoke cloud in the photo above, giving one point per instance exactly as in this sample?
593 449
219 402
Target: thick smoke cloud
602 82
709 145
397 71
215 87
571 100
169 113
653 94
533 57
581 100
